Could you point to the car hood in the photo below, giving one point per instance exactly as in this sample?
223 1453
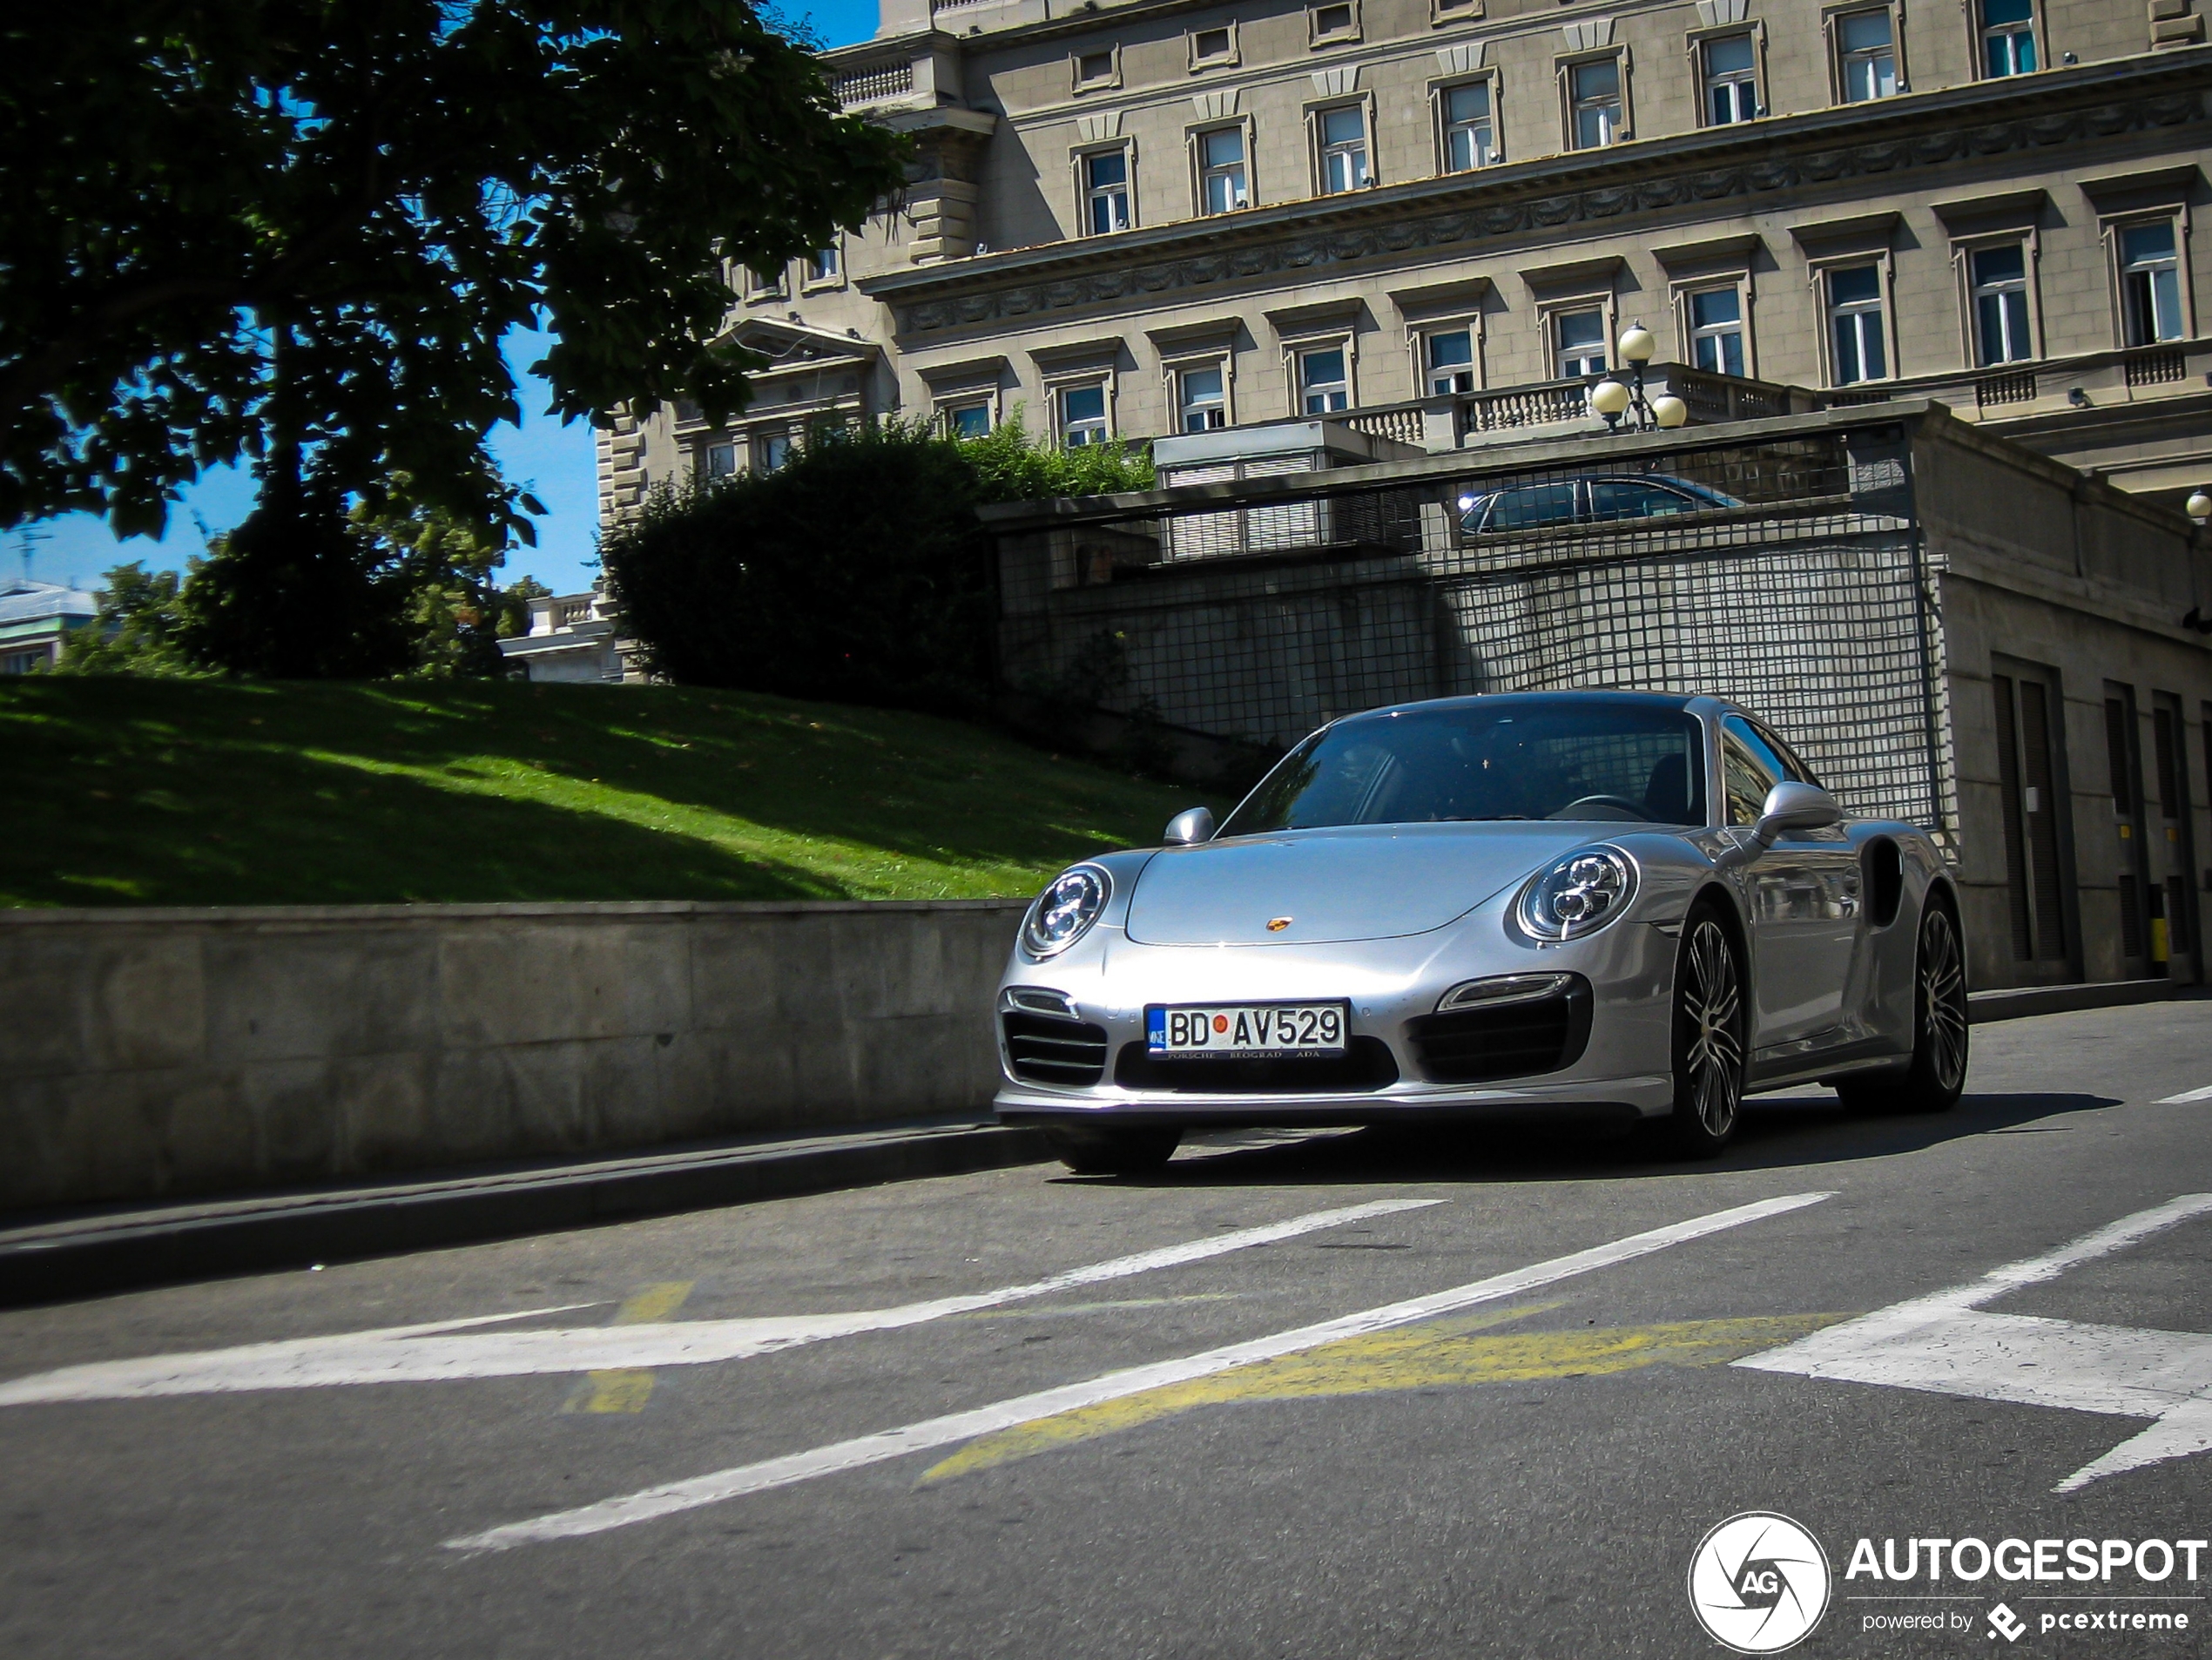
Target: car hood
1356 882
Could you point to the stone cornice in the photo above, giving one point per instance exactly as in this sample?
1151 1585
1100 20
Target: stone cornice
1563 195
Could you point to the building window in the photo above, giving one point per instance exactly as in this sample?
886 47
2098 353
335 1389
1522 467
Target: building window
1106 192
1221 171
770 451
1449 354
1328 23
1855 324
2008 36
1324 385
1202 399
1716 329
1099 69
764 285
1082 414
1344 149
1578 344
718 461
1210 47
2150 283
1593 102
2001 304
1731 80
1468 143
971 420
823 266
1867 51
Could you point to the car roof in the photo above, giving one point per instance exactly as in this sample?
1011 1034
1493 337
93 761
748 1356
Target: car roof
1508 699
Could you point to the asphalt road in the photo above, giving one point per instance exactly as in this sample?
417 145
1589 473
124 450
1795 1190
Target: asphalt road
1476 1423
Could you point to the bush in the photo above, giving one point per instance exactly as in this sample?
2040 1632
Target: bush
858 573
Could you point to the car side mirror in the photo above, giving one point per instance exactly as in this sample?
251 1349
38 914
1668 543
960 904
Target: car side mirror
1791 806
1188 829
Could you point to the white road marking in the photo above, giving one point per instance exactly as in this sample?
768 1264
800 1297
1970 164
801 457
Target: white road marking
1946 1344
406 1355
719 1485
2186 1097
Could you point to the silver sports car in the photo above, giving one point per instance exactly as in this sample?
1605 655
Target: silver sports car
1617 905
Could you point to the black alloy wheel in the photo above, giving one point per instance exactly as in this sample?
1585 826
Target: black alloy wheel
1936 1077
1134 1150
1710 1020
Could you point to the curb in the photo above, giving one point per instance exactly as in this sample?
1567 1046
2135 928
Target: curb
2015 1002
129 1250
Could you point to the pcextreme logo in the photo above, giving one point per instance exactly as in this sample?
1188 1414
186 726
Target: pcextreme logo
1758 1583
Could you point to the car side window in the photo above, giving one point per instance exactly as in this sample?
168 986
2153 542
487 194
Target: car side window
1636 498
1748 770
1528 505
1793 764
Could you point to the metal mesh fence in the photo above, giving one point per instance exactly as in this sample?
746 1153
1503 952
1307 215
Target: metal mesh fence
1785 574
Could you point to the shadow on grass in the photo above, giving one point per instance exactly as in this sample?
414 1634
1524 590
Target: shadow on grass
1779 1132
140 792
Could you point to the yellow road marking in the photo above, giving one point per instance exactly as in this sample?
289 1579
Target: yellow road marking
1442 1354
628 1388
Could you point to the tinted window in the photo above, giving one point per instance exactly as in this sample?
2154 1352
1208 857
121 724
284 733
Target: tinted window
1749 769
1528 506
1619 763
1637 498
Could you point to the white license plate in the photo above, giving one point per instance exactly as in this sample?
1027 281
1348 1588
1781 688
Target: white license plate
1247 1028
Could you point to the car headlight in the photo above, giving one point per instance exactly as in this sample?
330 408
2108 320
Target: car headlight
1065 911
1579 895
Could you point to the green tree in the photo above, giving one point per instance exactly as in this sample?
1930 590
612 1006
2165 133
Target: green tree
858 571
298 231
513 607
141 614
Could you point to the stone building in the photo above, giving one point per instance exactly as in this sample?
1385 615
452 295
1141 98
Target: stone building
1141 216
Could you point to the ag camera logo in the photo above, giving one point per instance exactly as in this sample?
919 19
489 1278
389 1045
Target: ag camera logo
1758 1583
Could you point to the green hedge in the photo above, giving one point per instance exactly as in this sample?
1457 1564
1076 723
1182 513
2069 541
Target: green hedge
858 572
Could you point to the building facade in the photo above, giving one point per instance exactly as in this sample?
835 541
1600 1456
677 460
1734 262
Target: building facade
1128 220
35 621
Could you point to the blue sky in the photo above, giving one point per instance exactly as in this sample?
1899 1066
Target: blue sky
554 462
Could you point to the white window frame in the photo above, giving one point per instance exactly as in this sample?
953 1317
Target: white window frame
1701 77
1963 250
1314 37
1685 291
1110 82
1172 369
1439 96
1080 162
1418 336
1316 118
1605 302
1058 386
944 405
2110 226
702 457
1625 129
1295 352
1831 21
1196 137
1978 31
1817 271
1444 12
809 283
758 441
1228 59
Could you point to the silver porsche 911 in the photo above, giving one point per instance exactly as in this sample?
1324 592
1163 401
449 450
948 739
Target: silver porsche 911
1614 905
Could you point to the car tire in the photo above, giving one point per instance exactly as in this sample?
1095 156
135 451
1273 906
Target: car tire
1936 1077
1136 1150
1711 1021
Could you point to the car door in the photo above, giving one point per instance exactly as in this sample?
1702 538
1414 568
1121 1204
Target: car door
1802 896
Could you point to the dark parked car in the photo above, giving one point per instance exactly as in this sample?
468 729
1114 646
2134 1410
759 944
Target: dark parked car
1592 500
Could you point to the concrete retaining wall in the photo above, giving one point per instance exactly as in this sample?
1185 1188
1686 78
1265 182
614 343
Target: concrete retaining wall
146 1053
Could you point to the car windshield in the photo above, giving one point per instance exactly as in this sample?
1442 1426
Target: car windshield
1617 762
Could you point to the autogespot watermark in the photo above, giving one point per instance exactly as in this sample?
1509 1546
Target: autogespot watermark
1759 1583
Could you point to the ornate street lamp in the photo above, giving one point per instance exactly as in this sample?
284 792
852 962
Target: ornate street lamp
2199 506
1612 400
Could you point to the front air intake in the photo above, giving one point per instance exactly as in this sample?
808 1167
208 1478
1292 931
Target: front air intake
1068 1053
1509 1040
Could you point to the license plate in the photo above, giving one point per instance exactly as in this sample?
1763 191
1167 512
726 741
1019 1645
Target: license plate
1276 1030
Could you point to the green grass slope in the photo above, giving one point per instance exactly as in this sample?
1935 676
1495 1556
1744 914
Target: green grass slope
124 792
